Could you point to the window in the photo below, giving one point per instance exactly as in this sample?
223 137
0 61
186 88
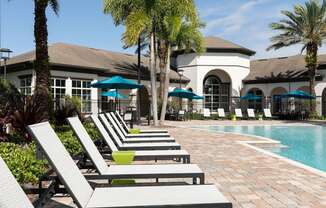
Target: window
26 85
216 94
58 88
82 89
256 104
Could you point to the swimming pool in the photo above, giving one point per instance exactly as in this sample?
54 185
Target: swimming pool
305 144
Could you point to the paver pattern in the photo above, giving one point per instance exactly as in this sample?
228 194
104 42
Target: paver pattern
248 178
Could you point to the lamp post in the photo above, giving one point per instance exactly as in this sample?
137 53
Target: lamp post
5 57
180 72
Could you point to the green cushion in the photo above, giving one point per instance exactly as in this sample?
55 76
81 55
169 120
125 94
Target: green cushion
134 131
123 182
123 158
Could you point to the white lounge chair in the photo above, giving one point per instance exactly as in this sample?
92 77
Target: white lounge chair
128 139
11 194
119 125
238 113
207 113
131 146
221 113
127 129
139 196
125 171
139 154
251 113
267 113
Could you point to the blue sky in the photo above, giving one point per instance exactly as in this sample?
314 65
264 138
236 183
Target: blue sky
82 22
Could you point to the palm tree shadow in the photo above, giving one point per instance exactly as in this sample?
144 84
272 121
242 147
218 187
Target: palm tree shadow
132 69
56 204
289 74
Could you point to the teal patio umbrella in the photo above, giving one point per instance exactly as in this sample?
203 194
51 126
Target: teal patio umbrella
298 94
115 94
181 93
251 96
197 97
117 82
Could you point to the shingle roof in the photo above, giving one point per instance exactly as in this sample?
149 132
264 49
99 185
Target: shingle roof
86 58
216 43
278 69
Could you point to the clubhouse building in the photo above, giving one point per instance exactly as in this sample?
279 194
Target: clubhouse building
222 74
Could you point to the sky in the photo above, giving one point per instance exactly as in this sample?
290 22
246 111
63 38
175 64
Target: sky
82 22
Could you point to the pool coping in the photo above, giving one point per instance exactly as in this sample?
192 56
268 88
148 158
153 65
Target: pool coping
251 144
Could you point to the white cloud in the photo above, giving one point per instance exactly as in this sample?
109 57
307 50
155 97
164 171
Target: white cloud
235 20
247 23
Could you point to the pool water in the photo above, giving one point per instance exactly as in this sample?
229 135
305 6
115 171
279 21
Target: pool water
305 144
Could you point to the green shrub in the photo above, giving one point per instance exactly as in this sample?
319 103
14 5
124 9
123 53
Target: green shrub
65 108
22 162
92 130
69 139
215 117
70 142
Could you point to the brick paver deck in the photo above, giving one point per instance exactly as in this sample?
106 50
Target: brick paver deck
248 178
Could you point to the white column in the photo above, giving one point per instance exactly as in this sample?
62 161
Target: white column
69 86
33 84
95 97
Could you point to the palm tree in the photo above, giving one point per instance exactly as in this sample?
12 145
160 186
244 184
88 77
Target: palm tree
183 34
139 17
41 64
152 17
306 25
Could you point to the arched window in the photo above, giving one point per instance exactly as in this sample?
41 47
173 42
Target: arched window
216 93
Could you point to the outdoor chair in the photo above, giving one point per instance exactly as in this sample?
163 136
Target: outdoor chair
207 113
181 115
118 125
108 122
11 194
132 146
105 172
221 113
251 113
238 113
140 155
267 113
85 196
127 129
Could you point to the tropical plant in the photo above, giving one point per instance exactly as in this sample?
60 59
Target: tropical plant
30 112
185 35
22 162
305 25
67 107
160 20
139 17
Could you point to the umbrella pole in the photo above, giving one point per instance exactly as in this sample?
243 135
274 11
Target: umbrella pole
115 101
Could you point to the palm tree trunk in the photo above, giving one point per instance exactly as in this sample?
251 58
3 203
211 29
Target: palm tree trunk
153 79
41 64
166 84
312 62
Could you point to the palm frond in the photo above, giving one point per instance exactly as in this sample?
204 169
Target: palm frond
54 4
